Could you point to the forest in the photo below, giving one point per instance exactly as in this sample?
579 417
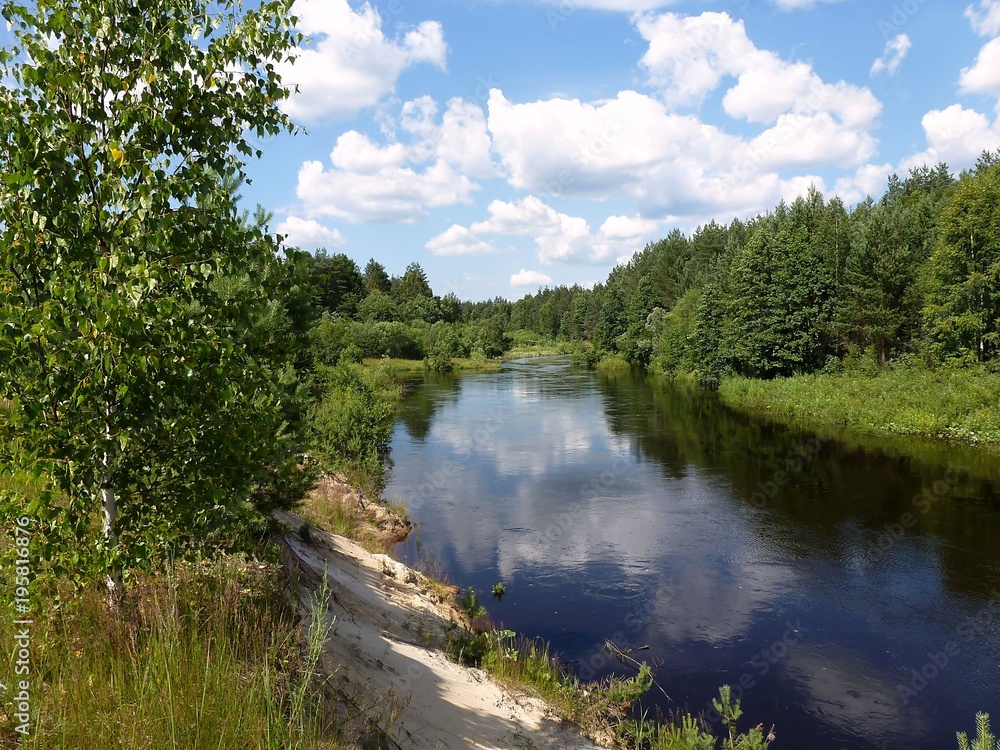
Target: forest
810 287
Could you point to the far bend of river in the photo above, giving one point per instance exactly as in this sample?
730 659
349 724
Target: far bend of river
619 507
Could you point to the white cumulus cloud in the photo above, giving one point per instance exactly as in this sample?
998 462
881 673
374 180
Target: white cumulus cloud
458 240
956 136
560 237
984 76
895 52
985 17
431 165
350 63
690 56
307 234
525 277
399 194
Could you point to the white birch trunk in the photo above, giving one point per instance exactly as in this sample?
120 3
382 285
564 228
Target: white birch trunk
110 509
111 541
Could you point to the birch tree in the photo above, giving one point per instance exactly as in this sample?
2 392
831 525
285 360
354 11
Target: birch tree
128 388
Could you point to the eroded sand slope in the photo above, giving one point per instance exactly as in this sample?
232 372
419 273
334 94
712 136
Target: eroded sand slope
385 655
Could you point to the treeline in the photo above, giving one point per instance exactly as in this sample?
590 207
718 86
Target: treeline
370 314
807 287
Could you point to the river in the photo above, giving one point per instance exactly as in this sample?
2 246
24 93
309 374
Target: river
850 588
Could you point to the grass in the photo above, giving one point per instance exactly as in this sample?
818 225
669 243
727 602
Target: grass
415 366
339 507
604 709
956 404
528 665
613 363
207 656
529 351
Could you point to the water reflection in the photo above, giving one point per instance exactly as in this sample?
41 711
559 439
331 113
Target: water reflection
610 505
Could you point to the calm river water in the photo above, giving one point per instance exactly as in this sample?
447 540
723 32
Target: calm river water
853 590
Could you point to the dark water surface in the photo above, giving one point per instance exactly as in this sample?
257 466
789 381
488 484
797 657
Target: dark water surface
852 589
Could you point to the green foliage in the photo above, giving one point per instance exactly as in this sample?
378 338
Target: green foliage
469 603
613 363
376 278
339 283
124 361
351 421
780 298
879 306
674 333
687 733
378 307
412 286
963 275
984 738
953 403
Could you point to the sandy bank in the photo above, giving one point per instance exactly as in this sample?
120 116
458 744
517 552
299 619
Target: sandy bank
385 655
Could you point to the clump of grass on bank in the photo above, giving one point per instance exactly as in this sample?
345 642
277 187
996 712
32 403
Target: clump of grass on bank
535 350
521 663
945 403
527 344
417 366
340 508
207 656
613 363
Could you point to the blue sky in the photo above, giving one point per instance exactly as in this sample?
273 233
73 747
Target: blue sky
511 144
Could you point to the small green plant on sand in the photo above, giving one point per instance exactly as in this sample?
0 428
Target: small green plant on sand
984 738
688 733
471 605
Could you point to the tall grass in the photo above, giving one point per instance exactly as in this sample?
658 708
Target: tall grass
206 657
613 363
948 403
420 366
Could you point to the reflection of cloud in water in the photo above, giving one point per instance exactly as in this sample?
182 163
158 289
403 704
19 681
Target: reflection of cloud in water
647 535
846 690
714 580
532 443
704 606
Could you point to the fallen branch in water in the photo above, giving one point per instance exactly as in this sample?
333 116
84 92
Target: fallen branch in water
623 656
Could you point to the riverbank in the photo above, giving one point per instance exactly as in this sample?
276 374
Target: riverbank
386 655
957 405
416 366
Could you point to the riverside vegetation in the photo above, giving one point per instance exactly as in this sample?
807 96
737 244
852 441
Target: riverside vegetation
895 301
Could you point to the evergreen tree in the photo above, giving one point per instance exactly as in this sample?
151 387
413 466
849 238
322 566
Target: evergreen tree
413 284
962 313
376 279
341 286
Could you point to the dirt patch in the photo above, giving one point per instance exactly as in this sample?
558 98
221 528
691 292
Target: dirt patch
341 508
384 652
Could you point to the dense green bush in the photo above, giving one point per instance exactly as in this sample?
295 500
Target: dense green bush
351 420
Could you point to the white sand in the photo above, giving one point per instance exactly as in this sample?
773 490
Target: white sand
384 655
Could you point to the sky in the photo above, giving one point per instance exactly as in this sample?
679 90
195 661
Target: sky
507 145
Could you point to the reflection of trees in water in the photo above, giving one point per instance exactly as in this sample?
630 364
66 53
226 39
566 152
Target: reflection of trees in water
861 483
424 397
